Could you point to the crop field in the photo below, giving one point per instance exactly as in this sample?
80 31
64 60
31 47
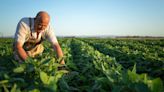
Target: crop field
92 65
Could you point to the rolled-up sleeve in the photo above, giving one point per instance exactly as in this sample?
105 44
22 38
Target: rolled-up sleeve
51 35
21 32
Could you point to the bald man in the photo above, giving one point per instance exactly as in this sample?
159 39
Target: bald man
30 33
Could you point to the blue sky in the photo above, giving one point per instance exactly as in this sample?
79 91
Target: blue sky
88 17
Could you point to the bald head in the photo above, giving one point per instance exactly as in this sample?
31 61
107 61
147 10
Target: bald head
42 15
41 21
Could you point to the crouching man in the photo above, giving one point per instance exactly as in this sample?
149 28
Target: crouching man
30 33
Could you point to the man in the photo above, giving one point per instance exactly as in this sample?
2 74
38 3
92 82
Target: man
30 33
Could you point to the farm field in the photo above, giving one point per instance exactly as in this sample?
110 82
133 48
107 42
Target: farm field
92 65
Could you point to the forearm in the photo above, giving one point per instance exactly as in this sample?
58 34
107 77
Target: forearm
59 52
22 53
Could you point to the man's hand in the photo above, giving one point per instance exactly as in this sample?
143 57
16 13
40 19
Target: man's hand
59 52
62 62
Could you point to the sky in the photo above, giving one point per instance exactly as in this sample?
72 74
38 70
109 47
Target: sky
88 17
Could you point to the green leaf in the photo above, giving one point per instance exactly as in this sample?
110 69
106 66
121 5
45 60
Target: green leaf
6 76
132 76
145 78
141 87
125 77
4 81
15 63
53 86
5 88
157 85
35 90
60 59
134 68
30 68
107 74
45 62
18 79
44 77
14 88
117 89
63 84
18 70
59 74
51 79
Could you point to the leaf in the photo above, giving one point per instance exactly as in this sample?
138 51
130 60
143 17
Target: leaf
53 86
35 90
51 79
132 76
6 76
141 87
107 74
134 68
13 89
15 63
18 79
30 68
18 70
44 77
5 88
157 85
125 78
117 89
4 81
45 62
60 59
145 78
59 74
63 84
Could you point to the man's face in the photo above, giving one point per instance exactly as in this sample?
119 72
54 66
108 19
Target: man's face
41 24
